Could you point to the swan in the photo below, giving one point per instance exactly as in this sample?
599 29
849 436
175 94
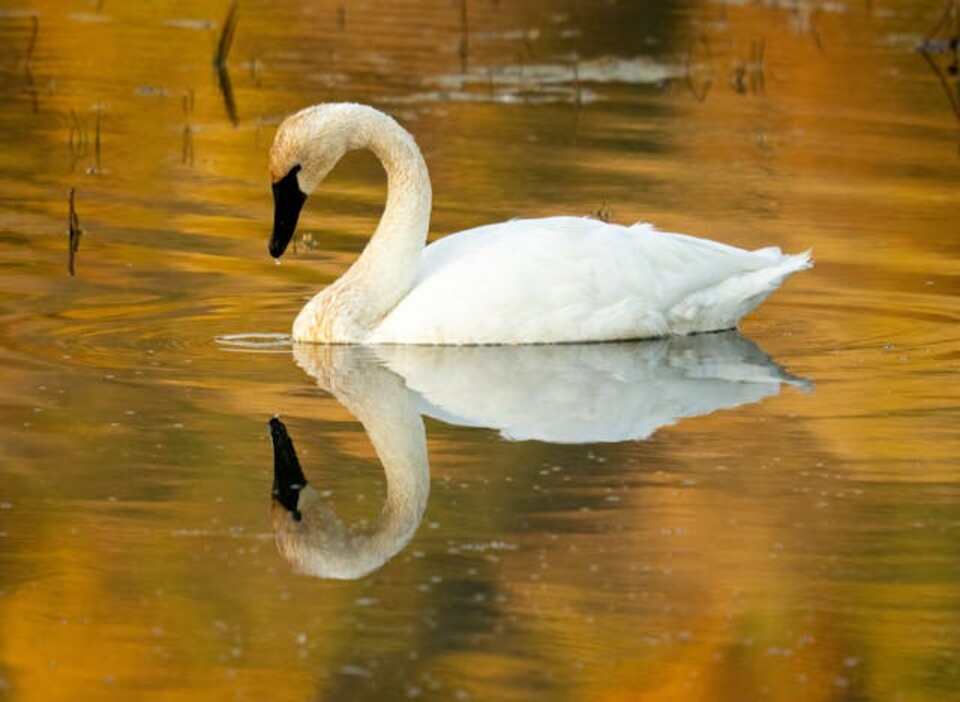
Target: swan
571 393
549 280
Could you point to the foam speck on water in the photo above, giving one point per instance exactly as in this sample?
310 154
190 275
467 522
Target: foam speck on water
256 342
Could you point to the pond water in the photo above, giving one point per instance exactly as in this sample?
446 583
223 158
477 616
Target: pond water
767 516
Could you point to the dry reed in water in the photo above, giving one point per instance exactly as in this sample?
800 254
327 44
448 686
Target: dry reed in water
220 62
75 232
226 36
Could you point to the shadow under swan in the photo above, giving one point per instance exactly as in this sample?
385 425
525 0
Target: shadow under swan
578 393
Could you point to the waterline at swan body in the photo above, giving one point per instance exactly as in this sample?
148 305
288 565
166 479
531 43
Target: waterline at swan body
549 280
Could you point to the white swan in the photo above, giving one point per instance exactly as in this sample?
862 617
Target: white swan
571 393
558 279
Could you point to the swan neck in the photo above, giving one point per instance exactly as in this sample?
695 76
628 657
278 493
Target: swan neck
388 266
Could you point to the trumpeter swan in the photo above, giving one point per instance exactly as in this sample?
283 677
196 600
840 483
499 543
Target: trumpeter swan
556 279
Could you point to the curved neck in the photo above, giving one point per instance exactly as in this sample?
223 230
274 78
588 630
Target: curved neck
320 545
389 264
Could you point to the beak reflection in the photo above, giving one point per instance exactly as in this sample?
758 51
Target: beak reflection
288 478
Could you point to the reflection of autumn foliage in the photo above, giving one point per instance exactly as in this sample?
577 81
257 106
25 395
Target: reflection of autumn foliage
802 549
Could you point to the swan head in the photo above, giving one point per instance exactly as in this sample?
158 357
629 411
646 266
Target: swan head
307 146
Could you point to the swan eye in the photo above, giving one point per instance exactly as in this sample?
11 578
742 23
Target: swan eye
288 200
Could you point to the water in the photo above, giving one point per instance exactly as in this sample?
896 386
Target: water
731 541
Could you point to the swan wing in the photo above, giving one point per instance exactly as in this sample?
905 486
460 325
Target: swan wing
562 279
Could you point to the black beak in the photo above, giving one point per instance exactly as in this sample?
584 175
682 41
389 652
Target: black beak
287 202
288 478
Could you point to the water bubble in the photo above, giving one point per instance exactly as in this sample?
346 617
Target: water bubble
355 670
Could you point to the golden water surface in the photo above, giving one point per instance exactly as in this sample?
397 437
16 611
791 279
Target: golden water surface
805 546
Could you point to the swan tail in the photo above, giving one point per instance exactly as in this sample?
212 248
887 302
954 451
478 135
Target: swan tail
797 262
723 305
772 252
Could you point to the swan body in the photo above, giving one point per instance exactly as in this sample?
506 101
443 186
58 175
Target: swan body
549 280
575 279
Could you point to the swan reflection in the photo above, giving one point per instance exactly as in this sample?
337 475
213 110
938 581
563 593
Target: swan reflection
582 393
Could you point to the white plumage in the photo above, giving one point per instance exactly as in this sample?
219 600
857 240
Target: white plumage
567 279
550 280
